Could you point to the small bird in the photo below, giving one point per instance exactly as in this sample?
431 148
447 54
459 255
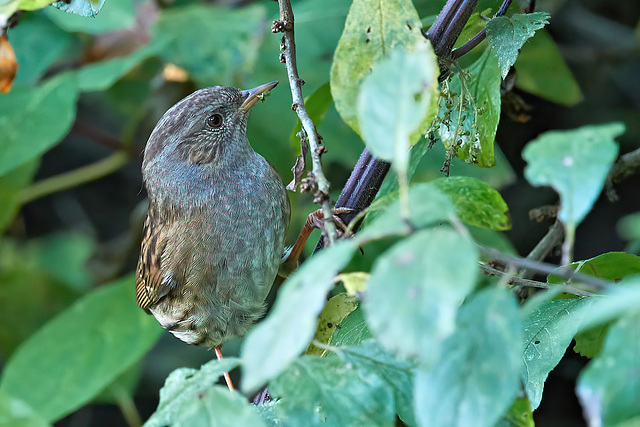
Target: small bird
218 214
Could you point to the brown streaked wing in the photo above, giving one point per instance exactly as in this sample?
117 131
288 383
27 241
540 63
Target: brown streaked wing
150 286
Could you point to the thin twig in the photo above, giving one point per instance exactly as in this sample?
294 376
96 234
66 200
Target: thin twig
478 38
595 283
550 241
626 166
517 281
286 26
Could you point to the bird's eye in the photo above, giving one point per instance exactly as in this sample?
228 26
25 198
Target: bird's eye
214 121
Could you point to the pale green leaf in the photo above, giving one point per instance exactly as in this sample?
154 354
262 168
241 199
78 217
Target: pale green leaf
352 331
478 374
507 34
16 413
476 202
82 15
32 120
81 7
415 289
333 313
77 354
286 332
394 102
575 163
609 387
374 28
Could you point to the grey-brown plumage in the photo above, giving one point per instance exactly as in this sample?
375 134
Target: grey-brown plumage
218 212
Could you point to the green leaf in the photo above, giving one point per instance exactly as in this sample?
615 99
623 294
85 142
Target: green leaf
16 413
427 206
477 376
317 105
187 392
81 7
575 163
609 387
211 60
519 415
374 28
82 15
32 120
469 115
370 359
476 202
395 106
99 76
548 331
8 7
507 34
542 71
286 332
352 331
10 186
333 313
589 342
415 289
618 301
317 390
38 44
81 351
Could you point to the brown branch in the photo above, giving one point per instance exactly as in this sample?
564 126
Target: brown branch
286 26
625 167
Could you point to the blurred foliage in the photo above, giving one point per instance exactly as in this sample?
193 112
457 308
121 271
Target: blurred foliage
422 336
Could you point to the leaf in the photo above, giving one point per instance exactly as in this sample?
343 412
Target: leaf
286 332
469 116
32 120
8 7
79 352
476 202
16 413
543 72
370 359
618 301
187 391
477 376
609 387
393 107
374 28
519 415
89 16
352 330
548 331
317 390
355 282
334 312
575 163
211 60
81 7
507 34
415 289
317 105
10 186
427 206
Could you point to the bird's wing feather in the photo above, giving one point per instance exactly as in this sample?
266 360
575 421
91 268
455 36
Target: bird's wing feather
151 282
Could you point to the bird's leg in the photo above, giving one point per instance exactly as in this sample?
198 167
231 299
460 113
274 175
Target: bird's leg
314 220
227 378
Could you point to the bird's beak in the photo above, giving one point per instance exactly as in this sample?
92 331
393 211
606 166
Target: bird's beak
251 96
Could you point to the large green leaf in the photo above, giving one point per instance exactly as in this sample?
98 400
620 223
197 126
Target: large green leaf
32 120
415 289
81 351
317 105
286 332
82 15
334 312
352 331
396 106
16 413
374 28
507 34
575 163
609 387
476 202
317 390
370 359
190 398
478 374
548 331
542 71
469 113
214 44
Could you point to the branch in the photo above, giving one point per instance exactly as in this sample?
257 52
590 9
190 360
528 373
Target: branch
626 166
595 283
478 38
286 26
517 281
